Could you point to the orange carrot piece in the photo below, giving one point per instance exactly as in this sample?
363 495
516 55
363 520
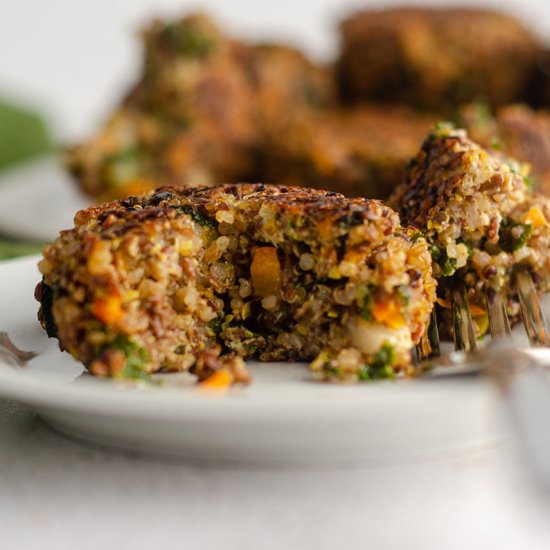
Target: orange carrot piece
218 382
388 313
265 271
108 310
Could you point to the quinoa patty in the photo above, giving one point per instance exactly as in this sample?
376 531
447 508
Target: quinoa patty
196 115
202 278
361 151
435 58
516 130
480 217
186 119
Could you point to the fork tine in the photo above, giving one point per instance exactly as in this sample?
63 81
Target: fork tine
416 361
429 345
463 328
433 335
498 319
531 310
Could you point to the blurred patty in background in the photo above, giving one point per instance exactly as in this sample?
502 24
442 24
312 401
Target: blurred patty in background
209 108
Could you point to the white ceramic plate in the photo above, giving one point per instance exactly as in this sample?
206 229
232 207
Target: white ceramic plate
37 200
282 416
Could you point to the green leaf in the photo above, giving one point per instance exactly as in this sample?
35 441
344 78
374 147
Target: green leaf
23 134
14 249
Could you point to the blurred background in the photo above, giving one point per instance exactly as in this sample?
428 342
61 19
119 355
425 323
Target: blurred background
65 66
71 60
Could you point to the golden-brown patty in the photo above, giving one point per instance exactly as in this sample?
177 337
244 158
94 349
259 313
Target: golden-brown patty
518 131
197 114
435 58
361 151
480 217
172 279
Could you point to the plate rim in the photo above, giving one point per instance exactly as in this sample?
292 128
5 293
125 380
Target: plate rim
17 385
10 180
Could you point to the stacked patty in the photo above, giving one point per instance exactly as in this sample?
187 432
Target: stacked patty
199 279
516 130
435 59
209 108
361 151
185 120
482 221
196 114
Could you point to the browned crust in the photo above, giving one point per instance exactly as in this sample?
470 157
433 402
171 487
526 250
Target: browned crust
313 204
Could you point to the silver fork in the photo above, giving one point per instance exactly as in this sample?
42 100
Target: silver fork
521 374
429 353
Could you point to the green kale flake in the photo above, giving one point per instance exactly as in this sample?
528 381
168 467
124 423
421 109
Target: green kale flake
435 252
384 357
513 235
196 44
416 236
439 256
216 325
448 266
132 371
188 41
136 357
365 303
196 215
381 364
252 349
441 128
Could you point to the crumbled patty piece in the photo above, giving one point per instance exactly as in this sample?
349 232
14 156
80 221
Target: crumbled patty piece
285 82
516 130
186 119
361 151
196 114
435 58
202 278
480 217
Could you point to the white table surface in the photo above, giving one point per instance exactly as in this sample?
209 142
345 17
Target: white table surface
56 493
